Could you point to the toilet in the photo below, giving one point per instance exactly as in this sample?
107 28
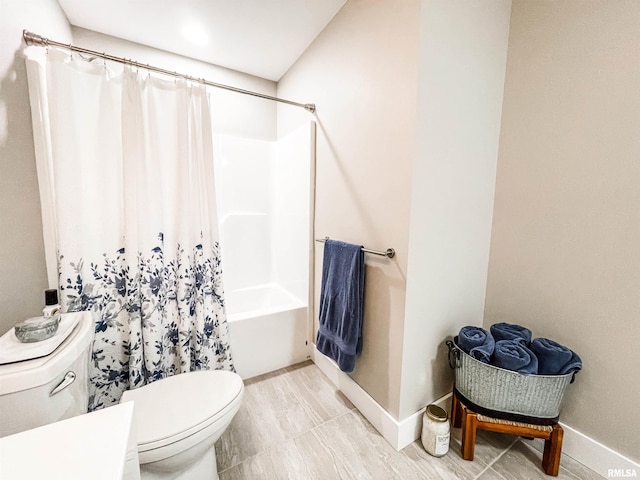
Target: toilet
52 387
178 419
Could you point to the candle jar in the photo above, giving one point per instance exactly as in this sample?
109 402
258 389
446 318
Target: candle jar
435 431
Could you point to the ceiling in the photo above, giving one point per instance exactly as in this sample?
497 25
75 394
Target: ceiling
259 37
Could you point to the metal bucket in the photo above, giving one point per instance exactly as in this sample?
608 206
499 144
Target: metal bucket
506 394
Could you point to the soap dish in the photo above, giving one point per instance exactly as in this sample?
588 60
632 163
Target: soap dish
36 329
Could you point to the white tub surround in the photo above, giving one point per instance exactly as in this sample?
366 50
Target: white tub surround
269 329
265 199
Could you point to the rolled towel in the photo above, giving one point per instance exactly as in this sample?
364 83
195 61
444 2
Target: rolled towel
553 358
513 355
510 331
477 342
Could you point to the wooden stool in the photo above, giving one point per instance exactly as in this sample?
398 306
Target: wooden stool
462 416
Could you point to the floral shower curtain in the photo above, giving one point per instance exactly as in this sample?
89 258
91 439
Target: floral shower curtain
126 180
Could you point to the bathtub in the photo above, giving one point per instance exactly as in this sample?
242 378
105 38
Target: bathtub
268 329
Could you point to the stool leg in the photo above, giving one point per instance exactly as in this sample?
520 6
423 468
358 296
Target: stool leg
469 425
456 411
552 451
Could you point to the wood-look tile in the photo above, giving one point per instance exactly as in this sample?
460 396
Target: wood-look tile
279 399
294 424
452 465
449 466
525 463
265 376
271 412
267 416
282 462
487 447
318 392
238 441
348 447
491 474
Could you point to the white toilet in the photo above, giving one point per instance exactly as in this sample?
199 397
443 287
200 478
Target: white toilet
178 419
50 388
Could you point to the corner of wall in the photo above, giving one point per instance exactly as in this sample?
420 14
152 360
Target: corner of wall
462 71
23 276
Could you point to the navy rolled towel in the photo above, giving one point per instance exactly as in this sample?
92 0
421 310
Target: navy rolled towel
513 355
510 331
553 358
477 342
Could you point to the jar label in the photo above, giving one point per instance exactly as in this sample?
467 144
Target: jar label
442 444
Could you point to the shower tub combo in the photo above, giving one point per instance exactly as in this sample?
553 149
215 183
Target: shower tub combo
268 329
265 199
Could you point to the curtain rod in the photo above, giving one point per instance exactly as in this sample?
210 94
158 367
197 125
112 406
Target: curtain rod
34 39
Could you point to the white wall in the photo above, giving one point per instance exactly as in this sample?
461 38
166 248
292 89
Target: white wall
462 66
232 113
23 277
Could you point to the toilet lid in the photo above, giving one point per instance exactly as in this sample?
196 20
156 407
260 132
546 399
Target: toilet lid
170 408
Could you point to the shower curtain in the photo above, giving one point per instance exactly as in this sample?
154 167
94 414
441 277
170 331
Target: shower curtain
126 178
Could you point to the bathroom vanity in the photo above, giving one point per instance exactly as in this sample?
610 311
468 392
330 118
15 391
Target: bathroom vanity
100 445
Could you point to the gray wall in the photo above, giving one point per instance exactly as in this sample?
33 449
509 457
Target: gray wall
362 74
565 249
23 276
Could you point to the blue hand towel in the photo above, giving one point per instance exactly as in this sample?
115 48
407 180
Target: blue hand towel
510 331
341 303
477 342
553 358
513 355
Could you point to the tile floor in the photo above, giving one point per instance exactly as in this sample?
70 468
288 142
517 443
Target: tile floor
293 424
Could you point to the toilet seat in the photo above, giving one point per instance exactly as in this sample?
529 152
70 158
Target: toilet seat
177 407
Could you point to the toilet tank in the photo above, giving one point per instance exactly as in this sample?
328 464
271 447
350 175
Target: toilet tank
51 388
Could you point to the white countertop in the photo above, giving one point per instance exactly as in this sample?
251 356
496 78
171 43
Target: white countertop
92 446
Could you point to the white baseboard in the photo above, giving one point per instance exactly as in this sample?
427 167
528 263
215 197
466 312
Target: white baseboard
366 405
593 455
399 434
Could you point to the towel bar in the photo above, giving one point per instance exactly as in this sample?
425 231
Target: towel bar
390 252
